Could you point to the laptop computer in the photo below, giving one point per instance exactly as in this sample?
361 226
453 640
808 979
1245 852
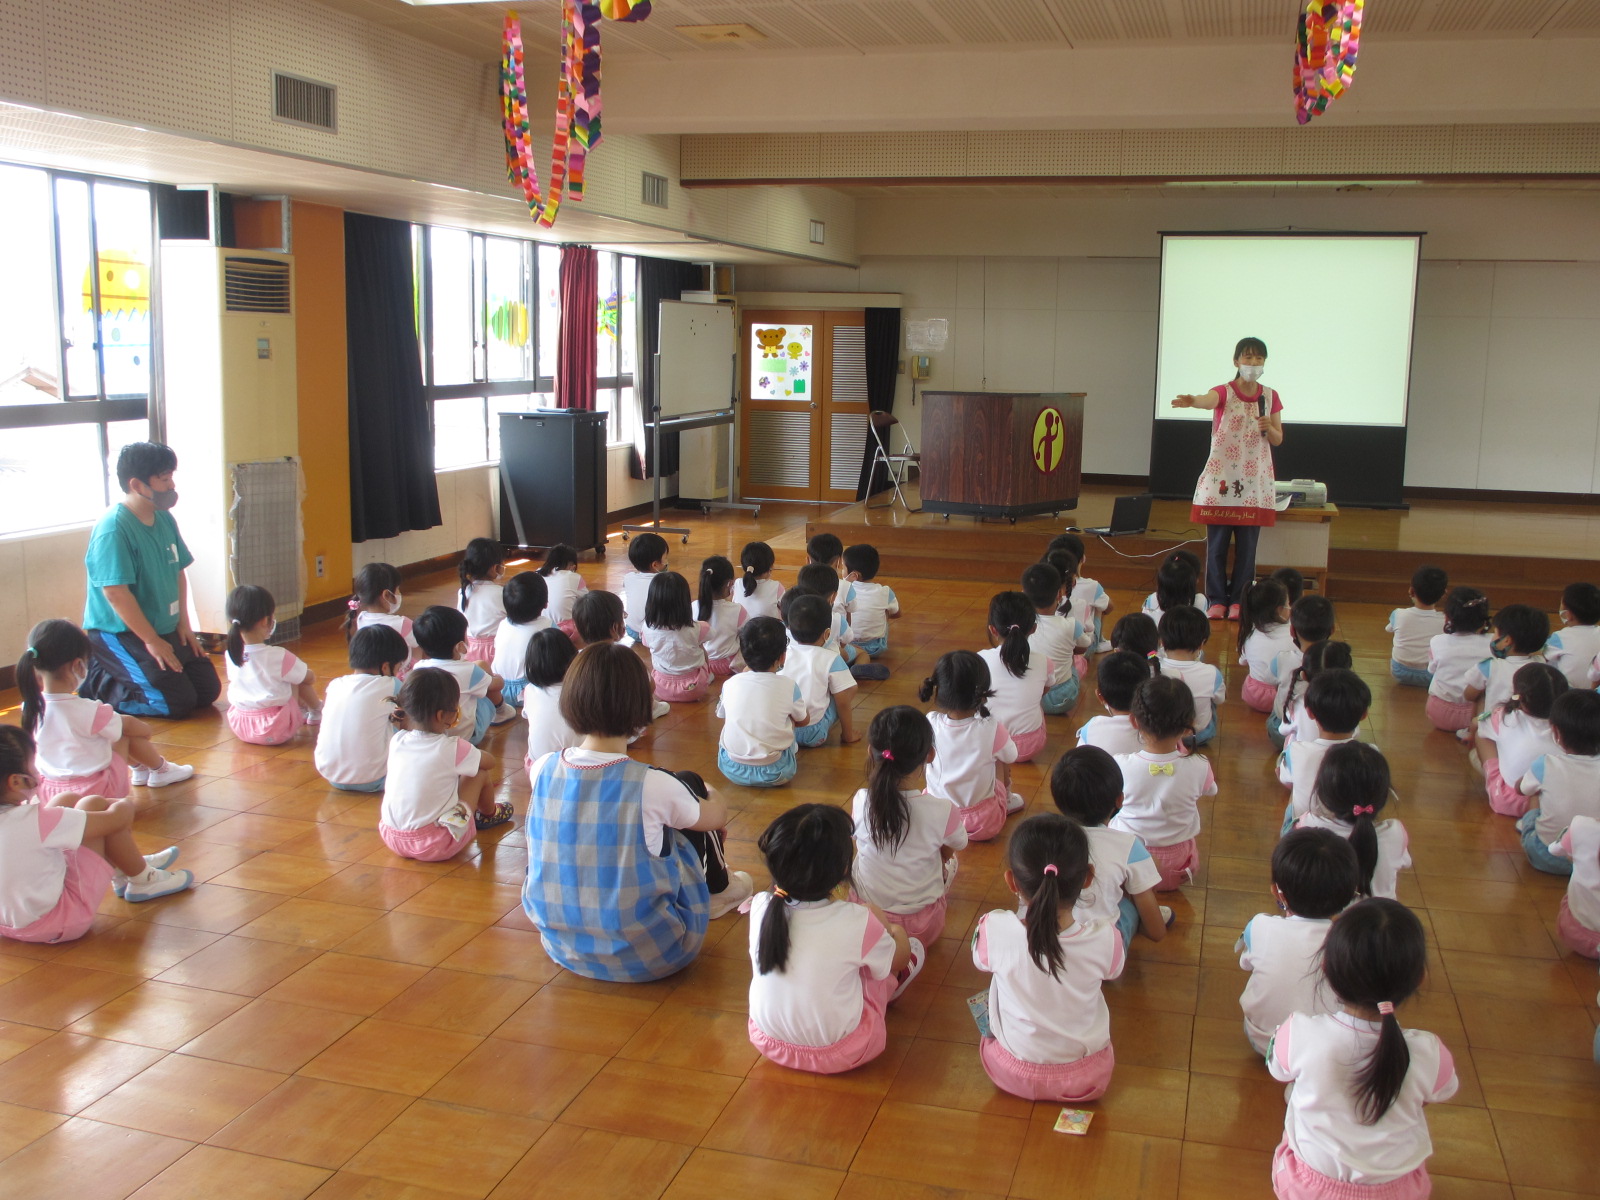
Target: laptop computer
1129 515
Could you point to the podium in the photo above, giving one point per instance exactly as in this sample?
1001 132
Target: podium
1001 454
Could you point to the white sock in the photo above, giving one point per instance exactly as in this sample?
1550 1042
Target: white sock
144 876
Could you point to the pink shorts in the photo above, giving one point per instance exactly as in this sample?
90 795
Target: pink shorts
1578 937
1449 717
861 1045
987 817
1504 797
1074 1082
682 689
1258 695
112 782
926 924
87 881
266 726
570 628
480 649
431 843
1029 744
723 667
1293 1180
1173 861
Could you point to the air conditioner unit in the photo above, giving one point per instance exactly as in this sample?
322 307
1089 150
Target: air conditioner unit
230 399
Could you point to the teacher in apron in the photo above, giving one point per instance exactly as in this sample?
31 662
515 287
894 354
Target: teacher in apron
1234 497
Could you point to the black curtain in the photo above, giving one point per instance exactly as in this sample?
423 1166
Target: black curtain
883 363
659 279
392 488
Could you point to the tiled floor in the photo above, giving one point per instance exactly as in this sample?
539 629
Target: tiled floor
322 1018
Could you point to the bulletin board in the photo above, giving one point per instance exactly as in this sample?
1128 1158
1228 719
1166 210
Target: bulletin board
697 345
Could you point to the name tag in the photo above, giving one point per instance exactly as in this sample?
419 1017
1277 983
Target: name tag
172 552
172 609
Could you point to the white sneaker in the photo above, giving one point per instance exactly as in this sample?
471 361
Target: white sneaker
139 776
1166 915
951 866
167 772
161 860
503 714
160 883
313 716
659 709
1102 646
1015 803
740 888
918 956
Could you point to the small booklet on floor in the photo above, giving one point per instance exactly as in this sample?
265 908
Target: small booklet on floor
1074 1120
979 1007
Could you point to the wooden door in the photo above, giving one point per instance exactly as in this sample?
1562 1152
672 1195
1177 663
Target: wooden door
803 385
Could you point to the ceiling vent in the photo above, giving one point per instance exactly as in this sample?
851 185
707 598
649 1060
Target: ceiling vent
819 233
654 193
255 285
306 102
721 35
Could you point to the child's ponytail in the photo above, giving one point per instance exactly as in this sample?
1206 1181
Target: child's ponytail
1177 580
560 557
52 645
808 851
1376 957
371 582
755 560
1326 655
1049 859
478 562
961 682
1534 689
899 741
1353 786
1259 611
716 573
248 606
1012 619
1466 610
29 688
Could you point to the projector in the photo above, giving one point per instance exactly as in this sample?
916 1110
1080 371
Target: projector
1302 493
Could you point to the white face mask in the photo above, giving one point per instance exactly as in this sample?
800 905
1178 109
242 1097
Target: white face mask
395 607
1249 372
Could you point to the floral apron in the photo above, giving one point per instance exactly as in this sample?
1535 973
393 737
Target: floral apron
1237 486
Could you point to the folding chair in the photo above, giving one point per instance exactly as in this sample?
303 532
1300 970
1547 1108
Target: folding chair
896 466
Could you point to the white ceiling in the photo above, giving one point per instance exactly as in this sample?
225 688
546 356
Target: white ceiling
865 27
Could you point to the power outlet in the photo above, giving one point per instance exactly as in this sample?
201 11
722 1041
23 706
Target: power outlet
321 567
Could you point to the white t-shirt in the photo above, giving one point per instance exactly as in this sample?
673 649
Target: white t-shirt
1298 766
1298 723
666 802
76 736
760 710
964 755
511 646
1088 598
1414 630
423 783
1152 605
1043 1018
816 999
1114 733
353 739
635 594
548 730
1019 703
908 877
763 602
1162 806
562 589
722 631
870 606
1394 853
34 841
1056 638
1494 676
820 675
1283 956
1453 658
1572 650
1321 1055
1271 654
401 625
474 684
266 680
485 607
1581 843
675 651
1521 741
1204 682
1122 865
1567 786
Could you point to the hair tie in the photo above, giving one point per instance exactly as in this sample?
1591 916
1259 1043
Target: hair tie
1013 628
1050 869
32 651
1516 695
1386 1008
236 621
888 755
1363 810
779 892
353 604
748 568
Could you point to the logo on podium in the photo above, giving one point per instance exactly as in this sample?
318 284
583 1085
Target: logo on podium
1049 440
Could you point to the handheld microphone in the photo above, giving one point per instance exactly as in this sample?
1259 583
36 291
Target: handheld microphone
1261 406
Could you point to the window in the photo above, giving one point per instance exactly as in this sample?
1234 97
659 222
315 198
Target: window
74 341
616 344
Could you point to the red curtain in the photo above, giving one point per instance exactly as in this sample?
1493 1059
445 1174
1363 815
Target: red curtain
580 306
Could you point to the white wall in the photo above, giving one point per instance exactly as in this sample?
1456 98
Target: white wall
44 571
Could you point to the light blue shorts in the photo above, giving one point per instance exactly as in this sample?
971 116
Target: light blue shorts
817 732
512 691
1202 736
1127 921
873 647
1411 676
1538 852
772 774
361 787
1062 697
483 719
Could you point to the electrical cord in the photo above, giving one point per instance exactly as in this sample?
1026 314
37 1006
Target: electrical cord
1111 546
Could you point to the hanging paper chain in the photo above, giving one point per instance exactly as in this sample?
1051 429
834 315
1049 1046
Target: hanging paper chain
577 129
1325 55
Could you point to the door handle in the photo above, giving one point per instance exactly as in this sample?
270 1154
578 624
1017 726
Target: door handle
813 406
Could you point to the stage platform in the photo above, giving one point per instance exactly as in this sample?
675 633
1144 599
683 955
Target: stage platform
1516 552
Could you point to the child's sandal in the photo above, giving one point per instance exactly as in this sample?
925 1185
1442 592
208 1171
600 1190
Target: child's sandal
503 812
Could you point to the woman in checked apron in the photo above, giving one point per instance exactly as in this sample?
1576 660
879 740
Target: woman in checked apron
1235 494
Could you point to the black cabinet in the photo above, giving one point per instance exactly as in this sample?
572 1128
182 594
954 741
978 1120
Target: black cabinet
553 479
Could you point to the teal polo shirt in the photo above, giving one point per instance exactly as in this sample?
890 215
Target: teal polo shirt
147 559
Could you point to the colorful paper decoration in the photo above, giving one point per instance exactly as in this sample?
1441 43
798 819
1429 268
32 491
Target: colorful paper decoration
1325 55
577 128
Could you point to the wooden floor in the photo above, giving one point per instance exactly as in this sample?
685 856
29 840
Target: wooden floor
322 1018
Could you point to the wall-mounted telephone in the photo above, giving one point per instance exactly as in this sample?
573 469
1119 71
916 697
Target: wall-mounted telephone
921 367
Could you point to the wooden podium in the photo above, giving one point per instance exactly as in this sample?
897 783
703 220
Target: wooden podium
1001 454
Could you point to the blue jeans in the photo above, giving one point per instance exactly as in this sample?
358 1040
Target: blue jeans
512 691
1127 920
361 787
1275 731
1534 845
816 733
1411 676
772 774
873 647
1063 696
1202 736
1221 586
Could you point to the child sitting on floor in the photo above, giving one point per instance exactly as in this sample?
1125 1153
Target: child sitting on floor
1055 637
722 616
353 740
1116 679
760 709
1453 658
825 683
1161 785
973 752
1517 734
1266 644
1415 628
1574 647
870 605
271 693
1352 791
678 665
1520 634
1337 701
1563 785
525 596
1184 632
442 634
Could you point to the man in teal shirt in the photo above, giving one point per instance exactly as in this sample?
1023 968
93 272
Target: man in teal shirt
146 660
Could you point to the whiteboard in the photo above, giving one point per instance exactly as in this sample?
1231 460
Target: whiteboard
697 344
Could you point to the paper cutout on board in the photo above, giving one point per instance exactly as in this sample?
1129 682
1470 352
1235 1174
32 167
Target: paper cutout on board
781 359
1325 55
